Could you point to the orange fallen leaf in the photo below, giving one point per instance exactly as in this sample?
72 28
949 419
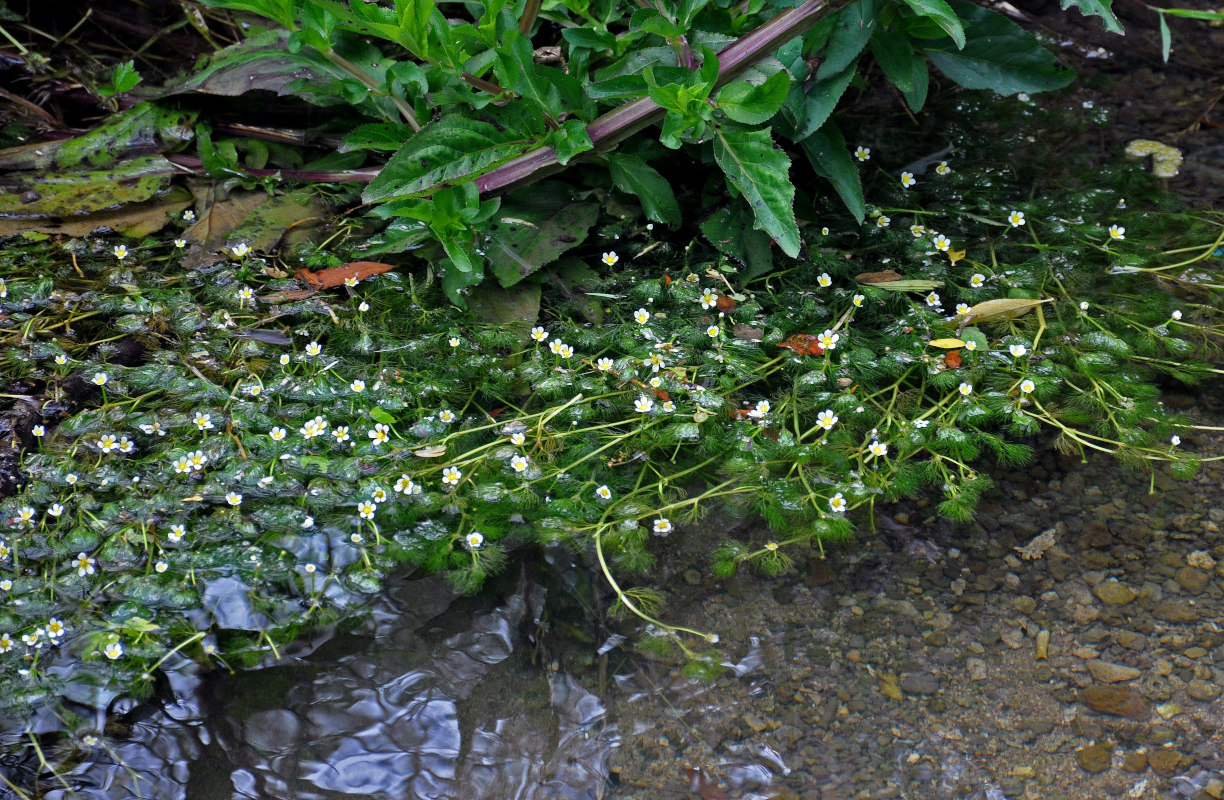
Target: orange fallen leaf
952 359
336 276
725 304
805 344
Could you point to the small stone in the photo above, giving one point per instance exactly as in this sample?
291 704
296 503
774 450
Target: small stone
1194 652
1135 762
1214 788
1192 580
1025 604
756 723
1166 762
1107 672
1169 710
692 577
977 669
920 683
1043 644
1202 691
1119 701
1201 559
1175 612
1094 758
1113 593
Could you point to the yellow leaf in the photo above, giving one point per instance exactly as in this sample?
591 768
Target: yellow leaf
946 344
195 498
433 451
1003 308
955 255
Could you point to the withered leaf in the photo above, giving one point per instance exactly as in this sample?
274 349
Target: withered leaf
878 277
336 276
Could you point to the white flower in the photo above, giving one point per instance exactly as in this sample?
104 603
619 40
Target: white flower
555 346
40 431
71 478
1175 440
245 293
883 221
113 650
120 252
84 565
60 359
518 463
837 503
824 231
878 448
366 509
55 628
771 546
233 498
760 410
310 568
932 299
643 404
971 345
357 385
1016 218
862 153
356 538
126 445
56 509
978 280
1177 315
189 216
379 495
182 465
603 492
364 306
451 476
965 389
6 642
446 416
108 442
341 433
826 419
921 423
828 340
962 309
177 531
610 258
907 180
858 300
712 331
203 421
943 168
239 250
539 334
380 434
474 540
277 433
917 231
1027 386
161 566
1117 232
1083 305
308 523
453 341
351 281
642 316
824 280
566 351
314 349
656 382
153 428
662 525
100 378
1017 350
942 242
405 486
284 359
180 243
603 364
517 438
668 406
708 298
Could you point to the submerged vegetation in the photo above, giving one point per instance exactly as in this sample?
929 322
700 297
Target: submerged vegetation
222 451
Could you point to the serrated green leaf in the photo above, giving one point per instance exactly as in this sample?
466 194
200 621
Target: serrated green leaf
812 110
760 172
939 12
569 140
916 98
826 152
533 227
633 175
1000 56
752 105
1100 8
453 148
730 230
895 55
852 29
375 136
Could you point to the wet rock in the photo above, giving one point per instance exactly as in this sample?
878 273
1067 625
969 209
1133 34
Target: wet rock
1192 580
1202 691
1113 593
1025 605
1214 788
1119 701
1135 762
920 683
1107 672
976 668
1167 762
1180 613
1095 758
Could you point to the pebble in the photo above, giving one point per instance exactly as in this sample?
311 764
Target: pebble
1119 701
920 683
1113 593
1107 672
1094 758
1135 761
976 668
1166 762
1175 612
1202 691
1192 580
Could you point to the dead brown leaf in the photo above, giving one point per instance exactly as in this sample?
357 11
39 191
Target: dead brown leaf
336 276
747 332
288 295
878 277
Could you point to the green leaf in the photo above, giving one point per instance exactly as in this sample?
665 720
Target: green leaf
375 136
259 62
569 140
916 98
125 77
380 415
633 175
895 55
852 29
760 172
1100 8
1166 41
453 148
942 15
730 230
819 102
588 38
827 153
1000 56
752 105
1189 13
533 227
